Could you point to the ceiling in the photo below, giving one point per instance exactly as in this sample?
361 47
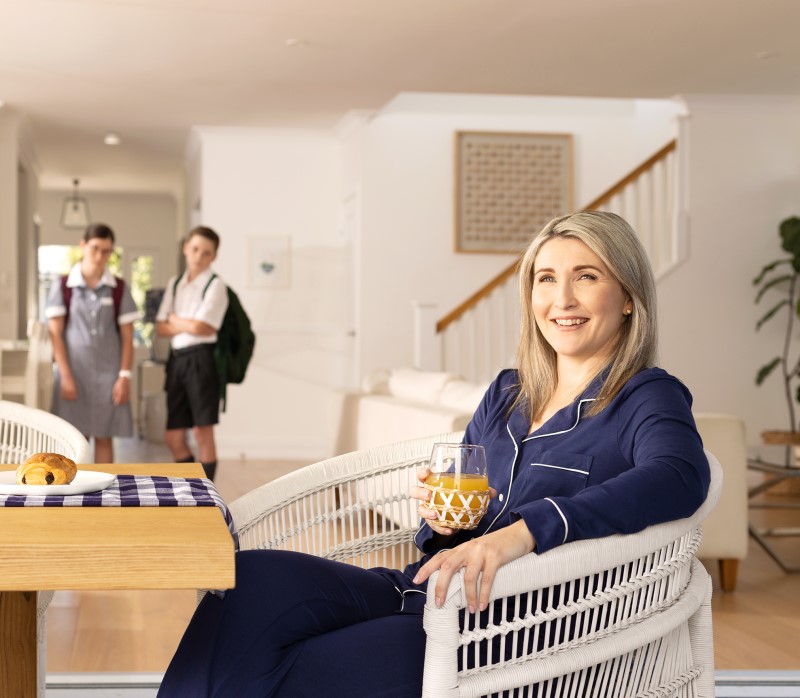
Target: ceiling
151 69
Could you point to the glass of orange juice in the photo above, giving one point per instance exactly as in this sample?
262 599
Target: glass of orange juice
459 485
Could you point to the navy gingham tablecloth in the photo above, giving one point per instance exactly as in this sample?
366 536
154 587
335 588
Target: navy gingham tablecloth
136 491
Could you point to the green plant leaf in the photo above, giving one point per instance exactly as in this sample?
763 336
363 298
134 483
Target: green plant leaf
766 369
790 236
768 268
770 313
772 282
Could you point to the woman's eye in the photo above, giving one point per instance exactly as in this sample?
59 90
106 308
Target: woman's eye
545 278
587 275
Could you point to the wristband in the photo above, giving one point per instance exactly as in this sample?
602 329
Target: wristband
124 373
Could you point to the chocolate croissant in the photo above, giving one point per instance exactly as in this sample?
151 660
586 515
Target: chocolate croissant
46 469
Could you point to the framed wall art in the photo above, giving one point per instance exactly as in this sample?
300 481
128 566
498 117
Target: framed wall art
508 185
268 261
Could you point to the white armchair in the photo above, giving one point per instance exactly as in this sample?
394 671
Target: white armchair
620 616
23 431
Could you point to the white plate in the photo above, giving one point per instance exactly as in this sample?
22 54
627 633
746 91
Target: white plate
85 481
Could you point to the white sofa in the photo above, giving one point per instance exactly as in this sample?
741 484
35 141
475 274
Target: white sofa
401 404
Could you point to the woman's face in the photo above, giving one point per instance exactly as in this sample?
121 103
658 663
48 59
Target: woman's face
95 253
578 305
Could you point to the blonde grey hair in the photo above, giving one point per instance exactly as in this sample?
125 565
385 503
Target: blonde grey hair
616 244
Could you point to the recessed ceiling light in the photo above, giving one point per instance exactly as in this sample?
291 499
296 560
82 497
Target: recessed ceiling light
112 139
296 43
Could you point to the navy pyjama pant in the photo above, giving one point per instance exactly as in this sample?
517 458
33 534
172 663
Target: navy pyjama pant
298 625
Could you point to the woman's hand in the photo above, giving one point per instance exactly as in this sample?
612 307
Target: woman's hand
69 391
121 392
424 495
481 558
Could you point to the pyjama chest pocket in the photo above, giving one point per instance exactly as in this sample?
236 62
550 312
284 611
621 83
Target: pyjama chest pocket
558 473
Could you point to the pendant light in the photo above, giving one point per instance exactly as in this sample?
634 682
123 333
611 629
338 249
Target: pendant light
75 210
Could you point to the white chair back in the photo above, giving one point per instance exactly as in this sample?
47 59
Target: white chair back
25 430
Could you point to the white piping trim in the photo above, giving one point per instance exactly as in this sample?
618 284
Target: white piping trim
403 596
559 467
563 518
419 530
556 433
510 481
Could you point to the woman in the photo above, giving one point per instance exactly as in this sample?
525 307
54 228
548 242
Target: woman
583 440
90 317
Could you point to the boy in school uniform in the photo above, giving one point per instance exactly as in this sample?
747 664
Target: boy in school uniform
190 315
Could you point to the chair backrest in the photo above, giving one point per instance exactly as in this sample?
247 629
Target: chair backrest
354 508
25 430
619 616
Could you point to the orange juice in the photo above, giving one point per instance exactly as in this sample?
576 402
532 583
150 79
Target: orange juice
465 483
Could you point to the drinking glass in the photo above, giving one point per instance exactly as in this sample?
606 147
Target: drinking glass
459 485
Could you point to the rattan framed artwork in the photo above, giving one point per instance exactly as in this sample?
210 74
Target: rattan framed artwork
508 185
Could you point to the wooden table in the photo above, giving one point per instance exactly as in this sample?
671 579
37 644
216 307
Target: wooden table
101 548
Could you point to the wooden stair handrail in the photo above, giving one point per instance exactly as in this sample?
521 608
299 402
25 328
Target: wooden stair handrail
604 198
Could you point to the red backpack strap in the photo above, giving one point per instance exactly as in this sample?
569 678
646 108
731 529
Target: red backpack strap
116 294
66 294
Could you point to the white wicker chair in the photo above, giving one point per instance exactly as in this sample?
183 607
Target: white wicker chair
23 431
620 616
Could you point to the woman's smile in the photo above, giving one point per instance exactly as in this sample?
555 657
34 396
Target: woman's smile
570 322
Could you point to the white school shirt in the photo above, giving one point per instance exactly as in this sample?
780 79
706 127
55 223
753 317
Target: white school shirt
190 303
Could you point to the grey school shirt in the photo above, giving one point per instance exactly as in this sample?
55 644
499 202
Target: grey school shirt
94 351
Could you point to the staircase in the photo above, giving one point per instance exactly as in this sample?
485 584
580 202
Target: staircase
479 337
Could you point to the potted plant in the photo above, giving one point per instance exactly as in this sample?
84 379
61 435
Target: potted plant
783 276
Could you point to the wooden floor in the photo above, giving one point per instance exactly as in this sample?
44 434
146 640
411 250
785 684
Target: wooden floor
757 627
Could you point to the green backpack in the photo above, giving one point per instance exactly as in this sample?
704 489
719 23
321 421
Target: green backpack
235 341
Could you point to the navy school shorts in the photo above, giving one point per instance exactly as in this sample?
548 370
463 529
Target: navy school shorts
192 386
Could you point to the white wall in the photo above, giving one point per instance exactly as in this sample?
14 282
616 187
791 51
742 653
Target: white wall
27 231
19 193
408 191
9 154
142 224
265 183
744 178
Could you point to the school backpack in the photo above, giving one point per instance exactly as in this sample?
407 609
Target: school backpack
116 295
235 341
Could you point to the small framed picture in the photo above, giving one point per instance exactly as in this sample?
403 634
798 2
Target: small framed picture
269 261
508 186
